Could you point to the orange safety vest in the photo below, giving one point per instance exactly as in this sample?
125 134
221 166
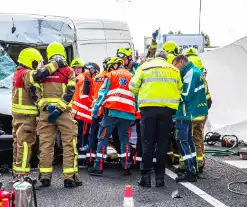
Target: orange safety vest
98 82
82 103
119 97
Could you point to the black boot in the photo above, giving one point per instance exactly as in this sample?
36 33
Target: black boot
145 180
127 172
186 177
159 181
95 172
69 183
82 163
90 167
45 182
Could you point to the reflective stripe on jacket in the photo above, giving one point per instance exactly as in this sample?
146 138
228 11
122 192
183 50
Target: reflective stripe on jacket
58 88
22 102
193 100
83 98
157 83
98 82
198 63
119 97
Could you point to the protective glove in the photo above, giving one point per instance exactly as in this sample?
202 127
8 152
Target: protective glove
61 62
54 115
155 34
95 114
51 108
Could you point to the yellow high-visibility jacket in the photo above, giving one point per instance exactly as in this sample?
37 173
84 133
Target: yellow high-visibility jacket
196 61
157 83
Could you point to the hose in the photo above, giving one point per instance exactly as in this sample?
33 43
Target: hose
221 152
234 191
218 152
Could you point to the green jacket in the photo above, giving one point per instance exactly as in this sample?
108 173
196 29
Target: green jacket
193 99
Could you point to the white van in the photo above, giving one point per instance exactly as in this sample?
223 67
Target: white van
89 39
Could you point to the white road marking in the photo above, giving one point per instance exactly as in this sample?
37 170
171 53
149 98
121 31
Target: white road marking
242 164
197 191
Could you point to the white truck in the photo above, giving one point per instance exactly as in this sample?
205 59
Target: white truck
183 40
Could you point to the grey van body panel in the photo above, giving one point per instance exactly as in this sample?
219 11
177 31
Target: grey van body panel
36 29
91 39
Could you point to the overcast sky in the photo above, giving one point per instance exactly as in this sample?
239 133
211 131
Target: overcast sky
223 20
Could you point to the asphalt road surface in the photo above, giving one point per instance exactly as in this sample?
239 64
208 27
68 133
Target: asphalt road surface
108 190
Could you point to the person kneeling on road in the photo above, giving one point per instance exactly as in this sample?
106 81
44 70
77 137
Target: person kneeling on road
192 104
120 109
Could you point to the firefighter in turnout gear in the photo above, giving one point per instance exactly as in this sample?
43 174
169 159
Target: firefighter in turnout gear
81 107
98 82
199 122
25 94
57 92
170 47
125 54
120 107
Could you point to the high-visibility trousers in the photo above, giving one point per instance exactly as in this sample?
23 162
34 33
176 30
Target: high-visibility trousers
47 132
24 134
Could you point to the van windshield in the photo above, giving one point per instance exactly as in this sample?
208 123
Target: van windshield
7 69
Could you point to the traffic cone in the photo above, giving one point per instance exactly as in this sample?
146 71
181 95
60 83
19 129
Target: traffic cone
128 197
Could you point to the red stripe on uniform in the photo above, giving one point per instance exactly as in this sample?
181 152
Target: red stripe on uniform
101 159
135 158
91 159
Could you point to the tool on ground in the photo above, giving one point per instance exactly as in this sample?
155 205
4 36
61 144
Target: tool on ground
231 141
211 138
5 197
128 197
23 192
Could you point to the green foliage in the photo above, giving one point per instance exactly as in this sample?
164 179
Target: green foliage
178 32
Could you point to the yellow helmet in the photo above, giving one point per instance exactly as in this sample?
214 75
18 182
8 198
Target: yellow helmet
171 47
30 57
77 62
55 48
191 51
124 52
113 61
